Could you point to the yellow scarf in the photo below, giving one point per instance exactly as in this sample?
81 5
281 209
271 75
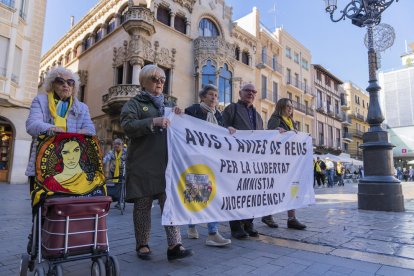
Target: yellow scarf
59 121
288 121
117 165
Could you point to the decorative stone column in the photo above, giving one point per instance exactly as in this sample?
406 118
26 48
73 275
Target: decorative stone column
137 63
172 19
187 27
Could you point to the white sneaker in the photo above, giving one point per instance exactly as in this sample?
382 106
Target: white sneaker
192 233
217 240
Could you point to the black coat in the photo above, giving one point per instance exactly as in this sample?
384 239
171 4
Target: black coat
276 121
196 111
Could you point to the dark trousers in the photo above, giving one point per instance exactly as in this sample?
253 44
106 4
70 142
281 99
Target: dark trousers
319 178
238 225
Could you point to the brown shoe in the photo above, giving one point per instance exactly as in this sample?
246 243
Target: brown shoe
268 220
295 224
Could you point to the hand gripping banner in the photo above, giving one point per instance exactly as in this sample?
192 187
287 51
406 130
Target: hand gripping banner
214 176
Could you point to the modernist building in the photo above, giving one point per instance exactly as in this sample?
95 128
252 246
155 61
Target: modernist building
354 103
329 116
195 42
21 34
397 102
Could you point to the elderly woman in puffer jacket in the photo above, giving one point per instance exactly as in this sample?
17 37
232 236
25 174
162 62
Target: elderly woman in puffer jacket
57 110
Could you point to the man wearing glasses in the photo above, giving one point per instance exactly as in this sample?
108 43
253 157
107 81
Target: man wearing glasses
243 116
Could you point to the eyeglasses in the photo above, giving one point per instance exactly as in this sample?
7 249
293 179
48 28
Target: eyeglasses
250 91
62 81
289 105
155 79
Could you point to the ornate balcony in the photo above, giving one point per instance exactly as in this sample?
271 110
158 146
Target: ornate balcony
139 18
117 96
347 136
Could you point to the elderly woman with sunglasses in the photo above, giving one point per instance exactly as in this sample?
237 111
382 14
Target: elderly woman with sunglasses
57 110
143 121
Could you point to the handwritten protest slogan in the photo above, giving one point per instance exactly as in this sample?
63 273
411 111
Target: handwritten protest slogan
214 176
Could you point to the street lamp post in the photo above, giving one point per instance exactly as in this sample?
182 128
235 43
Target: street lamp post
378 190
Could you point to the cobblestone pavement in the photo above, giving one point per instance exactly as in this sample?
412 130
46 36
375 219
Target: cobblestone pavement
339 240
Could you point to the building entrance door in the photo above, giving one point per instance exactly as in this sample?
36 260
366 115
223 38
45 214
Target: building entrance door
6 138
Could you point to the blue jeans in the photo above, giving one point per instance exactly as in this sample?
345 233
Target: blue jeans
330 175
211 226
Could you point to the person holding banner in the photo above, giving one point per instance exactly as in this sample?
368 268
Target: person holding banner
206 110
282 120
143 121
243 116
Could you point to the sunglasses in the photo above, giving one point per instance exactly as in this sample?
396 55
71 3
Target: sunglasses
62 81
250 91
157 80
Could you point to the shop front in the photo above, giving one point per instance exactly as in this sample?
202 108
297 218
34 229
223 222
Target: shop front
6 138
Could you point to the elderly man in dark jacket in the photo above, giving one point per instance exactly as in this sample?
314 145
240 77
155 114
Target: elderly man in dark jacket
243 116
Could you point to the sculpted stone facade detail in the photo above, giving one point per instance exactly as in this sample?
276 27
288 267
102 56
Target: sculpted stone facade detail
244 39
120 55
83 76
189 4
215 49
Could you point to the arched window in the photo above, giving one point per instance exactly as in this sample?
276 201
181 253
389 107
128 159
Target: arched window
207 28
225 89
237 53
88 42
111 25
163 15
180 23
245 57
123 15
208 74
67 57
98 34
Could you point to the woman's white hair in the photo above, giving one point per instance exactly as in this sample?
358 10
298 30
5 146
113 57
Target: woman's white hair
147 72
60 72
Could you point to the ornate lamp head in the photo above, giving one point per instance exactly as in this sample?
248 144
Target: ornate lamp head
330 5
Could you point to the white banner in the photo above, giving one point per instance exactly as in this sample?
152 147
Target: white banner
214 176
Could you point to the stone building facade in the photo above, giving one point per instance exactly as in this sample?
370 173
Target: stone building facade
354 102
21 34
329 116
195 42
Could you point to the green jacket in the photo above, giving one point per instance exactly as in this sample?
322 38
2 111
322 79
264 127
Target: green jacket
147 150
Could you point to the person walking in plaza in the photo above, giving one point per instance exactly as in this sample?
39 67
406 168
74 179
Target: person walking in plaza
57 109
243 116
319 171
143 121
282 120
116 160
330 170
206 110
340 172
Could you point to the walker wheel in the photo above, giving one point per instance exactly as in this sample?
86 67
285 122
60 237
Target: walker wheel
112 266
98 268
24 264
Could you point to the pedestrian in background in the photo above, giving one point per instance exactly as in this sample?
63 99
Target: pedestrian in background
143 121
319 171
282 120
116 160
243 116
330 170
206 110
340 171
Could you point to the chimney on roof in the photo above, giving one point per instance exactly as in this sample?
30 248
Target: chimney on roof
72 21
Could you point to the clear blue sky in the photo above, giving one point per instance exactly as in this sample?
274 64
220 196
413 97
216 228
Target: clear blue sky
339 47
